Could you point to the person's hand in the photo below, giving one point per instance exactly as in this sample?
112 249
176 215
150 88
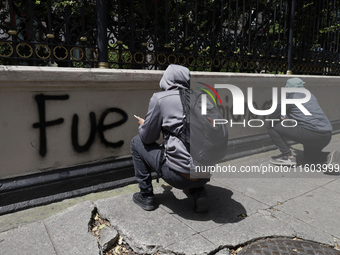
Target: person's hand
140 121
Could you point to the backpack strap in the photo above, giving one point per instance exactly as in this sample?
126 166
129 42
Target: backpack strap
184 135
166 135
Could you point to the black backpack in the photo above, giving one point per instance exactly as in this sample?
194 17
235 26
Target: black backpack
206 144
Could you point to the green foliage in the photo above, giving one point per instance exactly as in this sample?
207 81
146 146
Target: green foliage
331 28
78 64
116 60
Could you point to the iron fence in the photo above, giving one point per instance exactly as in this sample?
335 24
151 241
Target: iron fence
279 36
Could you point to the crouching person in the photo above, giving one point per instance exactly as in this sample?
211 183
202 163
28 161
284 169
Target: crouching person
165 114
313 131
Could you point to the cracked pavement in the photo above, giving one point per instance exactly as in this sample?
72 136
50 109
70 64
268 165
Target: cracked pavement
243 208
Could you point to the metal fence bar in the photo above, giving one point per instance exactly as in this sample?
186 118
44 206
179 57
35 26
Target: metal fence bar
227 35
290 40
102 37
12 30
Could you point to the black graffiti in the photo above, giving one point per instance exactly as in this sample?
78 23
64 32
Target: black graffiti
266 105
247 113
74 133
43 124
101 128
227 111
250 114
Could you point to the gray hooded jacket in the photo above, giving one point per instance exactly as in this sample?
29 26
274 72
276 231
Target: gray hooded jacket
316 122
166 112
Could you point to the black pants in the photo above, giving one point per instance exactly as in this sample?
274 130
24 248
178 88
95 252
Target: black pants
313 142
146 158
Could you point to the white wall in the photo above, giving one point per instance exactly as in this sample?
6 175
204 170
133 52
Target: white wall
110 96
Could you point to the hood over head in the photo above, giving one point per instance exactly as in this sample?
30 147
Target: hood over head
174 77
295 83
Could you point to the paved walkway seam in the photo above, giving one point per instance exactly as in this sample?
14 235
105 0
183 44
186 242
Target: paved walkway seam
49 236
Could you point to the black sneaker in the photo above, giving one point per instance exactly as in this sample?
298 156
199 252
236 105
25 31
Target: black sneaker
284 161
200 199
147 203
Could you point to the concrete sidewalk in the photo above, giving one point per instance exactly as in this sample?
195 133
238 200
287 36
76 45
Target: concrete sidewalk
243 208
